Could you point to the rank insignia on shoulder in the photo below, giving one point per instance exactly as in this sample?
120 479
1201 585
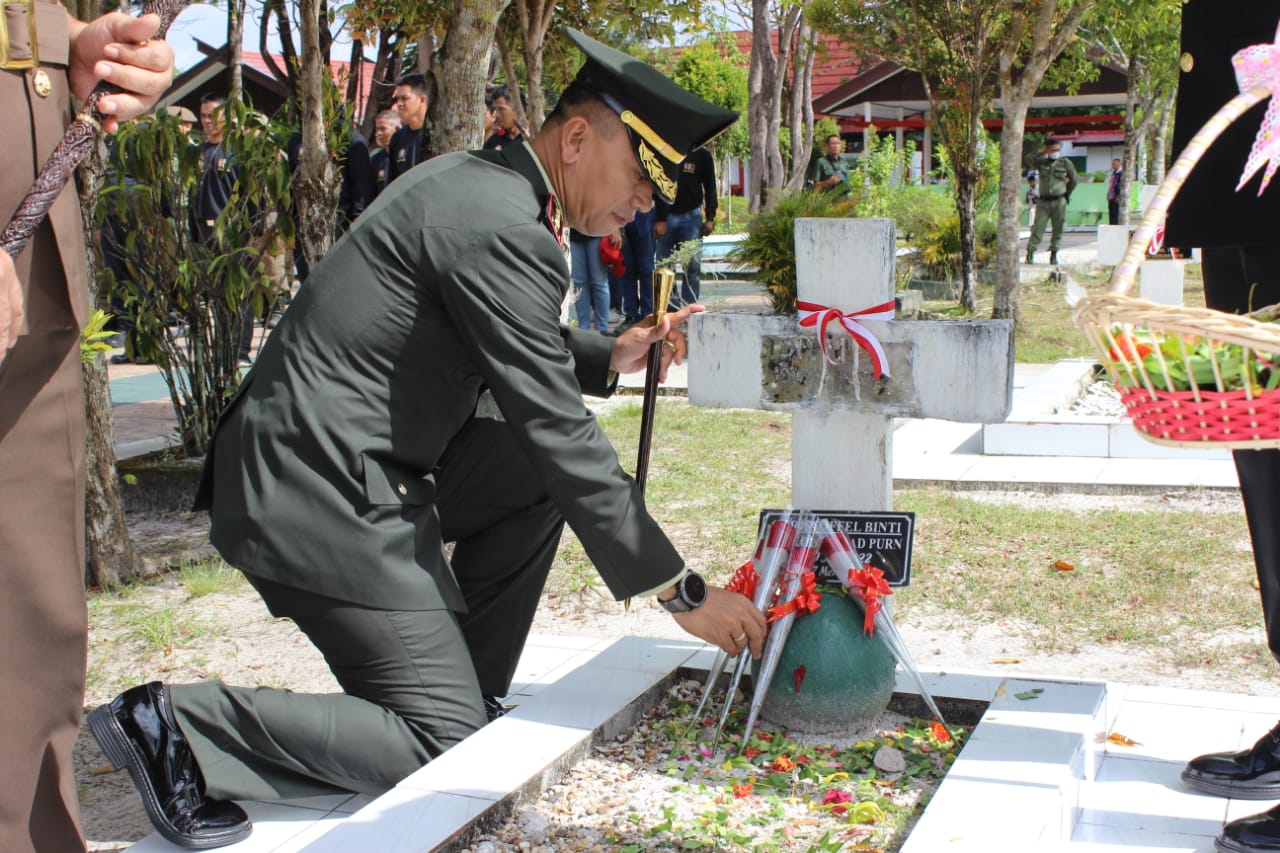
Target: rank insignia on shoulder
554 220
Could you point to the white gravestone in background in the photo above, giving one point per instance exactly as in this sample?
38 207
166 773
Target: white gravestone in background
842 417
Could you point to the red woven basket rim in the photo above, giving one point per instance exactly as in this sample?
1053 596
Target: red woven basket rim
1223 416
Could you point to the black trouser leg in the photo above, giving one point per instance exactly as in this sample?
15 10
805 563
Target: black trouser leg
505 532
1237 279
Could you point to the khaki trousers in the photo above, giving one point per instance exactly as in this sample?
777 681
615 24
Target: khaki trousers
43 617
1048 212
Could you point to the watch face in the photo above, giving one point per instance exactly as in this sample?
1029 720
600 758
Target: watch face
694 589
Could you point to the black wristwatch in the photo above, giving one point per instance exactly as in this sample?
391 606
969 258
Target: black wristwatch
691 592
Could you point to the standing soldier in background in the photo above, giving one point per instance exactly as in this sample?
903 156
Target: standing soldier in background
43 304
830 172
1057 180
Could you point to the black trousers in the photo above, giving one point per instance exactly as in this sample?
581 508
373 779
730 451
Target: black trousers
412 681
1237 279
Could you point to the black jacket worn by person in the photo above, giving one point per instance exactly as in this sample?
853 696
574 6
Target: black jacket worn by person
697 186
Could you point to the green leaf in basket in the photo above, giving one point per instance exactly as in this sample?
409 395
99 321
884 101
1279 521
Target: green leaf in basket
1176 380
1271 374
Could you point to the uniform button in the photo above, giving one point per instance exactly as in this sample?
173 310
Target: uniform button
41 83
1186 63
402 488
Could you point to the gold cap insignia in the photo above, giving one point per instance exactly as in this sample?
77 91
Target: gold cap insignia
653 167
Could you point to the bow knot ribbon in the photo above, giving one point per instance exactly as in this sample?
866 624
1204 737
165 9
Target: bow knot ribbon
1259 65
745 580
807 600
868 583
820 316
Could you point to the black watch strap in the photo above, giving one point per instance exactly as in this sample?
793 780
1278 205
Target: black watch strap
691 593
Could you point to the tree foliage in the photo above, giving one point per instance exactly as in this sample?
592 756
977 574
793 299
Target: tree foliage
1039 31
169 275
955 46
1140 37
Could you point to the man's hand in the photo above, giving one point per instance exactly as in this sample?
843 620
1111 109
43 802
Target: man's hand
631 348
660 229
708 226
726 619
119 48
10 305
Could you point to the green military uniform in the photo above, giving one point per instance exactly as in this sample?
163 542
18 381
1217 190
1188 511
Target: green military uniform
1057 180
825 168
354 451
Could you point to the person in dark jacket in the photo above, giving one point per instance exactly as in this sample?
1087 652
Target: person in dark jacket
691 216
419 391
384 127
410 100
506 128
1240 252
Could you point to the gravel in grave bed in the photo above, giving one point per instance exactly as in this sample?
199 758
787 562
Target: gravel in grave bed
650 790
1100 398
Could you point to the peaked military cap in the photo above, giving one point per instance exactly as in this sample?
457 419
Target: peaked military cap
664 121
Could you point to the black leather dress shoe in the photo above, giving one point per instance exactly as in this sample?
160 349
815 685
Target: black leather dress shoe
1251 774
138 732
493 709
1257 834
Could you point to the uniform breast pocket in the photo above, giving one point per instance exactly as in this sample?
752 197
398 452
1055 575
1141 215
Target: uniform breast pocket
387 484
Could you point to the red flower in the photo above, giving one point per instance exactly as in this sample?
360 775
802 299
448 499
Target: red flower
751 752
1127 349
939 732
782 764
837 799
744 789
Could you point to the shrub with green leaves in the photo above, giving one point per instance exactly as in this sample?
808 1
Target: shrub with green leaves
770 242
168 275
939 246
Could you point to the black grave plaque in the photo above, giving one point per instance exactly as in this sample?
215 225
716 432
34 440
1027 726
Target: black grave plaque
881 539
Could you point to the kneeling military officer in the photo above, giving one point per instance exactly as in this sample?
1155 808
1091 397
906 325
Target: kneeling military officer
354 451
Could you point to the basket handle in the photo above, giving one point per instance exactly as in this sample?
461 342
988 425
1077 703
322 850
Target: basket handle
1125 272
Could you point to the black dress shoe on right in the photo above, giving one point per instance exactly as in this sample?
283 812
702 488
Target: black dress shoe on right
1251 774
1257 834
138 732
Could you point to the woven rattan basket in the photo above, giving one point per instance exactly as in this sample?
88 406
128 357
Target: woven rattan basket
1142 343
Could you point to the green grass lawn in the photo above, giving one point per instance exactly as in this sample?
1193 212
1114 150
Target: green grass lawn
1047 332
1138 577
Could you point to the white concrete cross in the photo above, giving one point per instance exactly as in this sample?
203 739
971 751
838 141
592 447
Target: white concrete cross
842 417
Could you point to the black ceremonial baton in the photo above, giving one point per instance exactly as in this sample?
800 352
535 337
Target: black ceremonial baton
663 280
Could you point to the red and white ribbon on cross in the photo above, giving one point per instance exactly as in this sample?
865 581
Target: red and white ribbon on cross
820 316
1259 65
